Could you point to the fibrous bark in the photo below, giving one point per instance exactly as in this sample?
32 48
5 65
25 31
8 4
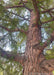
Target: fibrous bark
33 39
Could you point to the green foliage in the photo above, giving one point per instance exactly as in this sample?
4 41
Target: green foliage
41 43
51 25
47 4
53 72
12 21
10 67
50 54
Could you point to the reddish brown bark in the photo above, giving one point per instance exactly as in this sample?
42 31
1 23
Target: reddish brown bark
33 38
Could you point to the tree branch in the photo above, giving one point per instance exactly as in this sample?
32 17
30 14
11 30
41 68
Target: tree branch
14 30
51 14
47 65
19 16
37 11
2 37
48 21
46 43
8 55
48 10
42 7
18 6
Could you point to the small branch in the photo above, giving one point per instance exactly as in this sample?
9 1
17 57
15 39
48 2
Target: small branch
51 14
19 16
50 40
48 21
48 10
14 30
47 65
2 37
8 55
42 7
42 46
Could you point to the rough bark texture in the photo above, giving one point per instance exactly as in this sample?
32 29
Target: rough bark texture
32 66
33 39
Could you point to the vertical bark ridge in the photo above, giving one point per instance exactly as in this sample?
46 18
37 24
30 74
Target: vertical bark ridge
33 38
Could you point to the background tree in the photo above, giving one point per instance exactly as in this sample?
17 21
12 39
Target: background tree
30 24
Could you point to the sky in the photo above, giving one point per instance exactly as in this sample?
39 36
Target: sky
6 0
7 47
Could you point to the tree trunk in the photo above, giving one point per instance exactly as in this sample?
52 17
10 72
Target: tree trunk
33 39
32 65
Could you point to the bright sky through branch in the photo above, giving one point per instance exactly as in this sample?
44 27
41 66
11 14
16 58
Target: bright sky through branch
6 1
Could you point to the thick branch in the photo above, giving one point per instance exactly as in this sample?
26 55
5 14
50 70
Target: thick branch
19 58
14 30
48 21
18 6
35 4
47 65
